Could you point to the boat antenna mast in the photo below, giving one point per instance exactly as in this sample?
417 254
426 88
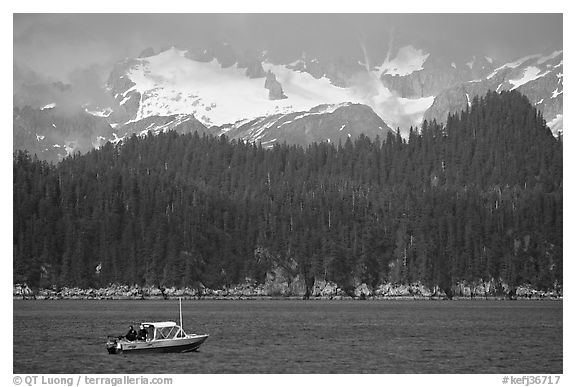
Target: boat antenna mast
181 327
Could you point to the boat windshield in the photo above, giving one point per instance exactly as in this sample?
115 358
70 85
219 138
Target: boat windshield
169 333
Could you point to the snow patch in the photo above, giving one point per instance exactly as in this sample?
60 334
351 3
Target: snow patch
237 124
181 118
116 139
342 127
39 137
471 63
529 74
100 140
539 102
49 106
513 65
99 113
125 99
268 144
327 109
556 124
69 148
556 93
408 60
285 123
453 64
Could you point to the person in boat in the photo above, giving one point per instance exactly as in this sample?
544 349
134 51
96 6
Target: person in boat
131 335
142 332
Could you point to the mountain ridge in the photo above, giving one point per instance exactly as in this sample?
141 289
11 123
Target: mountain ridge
219 87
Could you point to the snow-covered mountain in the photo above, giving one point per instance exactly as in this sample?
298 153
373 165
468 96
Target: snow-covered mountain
251 96
52 134
416 74
220 91
181 123
332 123
219 86
539 77
172 83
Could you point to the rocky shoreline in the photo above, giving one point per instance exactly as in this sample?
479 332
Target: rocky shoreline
322 290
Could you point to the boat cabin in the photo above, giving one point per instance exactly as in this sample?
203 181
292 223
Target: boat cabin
164 330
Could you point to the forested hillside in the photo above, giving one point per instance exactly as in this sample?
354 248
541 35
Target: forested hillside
477 198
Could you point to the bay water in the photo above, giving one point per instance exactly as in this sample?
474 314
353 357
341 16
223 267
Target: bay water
296 336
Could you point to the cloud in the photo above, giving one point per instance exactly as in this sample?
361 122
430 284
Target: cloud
89 83
86 88
394 110
56 44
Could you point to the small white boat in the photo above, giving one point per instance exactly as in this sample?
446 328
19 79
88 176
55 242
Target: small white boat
162 336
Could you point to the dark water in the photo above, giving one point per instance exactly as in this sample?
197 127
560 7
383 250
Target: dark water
298 336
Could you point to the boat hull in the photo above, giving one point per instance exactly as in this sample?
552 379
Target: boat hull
186 344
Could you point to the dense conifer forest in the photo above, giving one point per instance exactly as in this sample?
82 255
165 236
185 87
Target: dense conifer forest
479 197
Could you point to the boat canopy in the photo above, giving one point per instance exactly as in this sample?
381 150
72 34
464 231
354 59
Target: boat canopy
161 324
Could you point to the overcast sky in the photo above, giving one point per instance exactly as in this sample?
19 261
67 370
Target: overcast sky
58 44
